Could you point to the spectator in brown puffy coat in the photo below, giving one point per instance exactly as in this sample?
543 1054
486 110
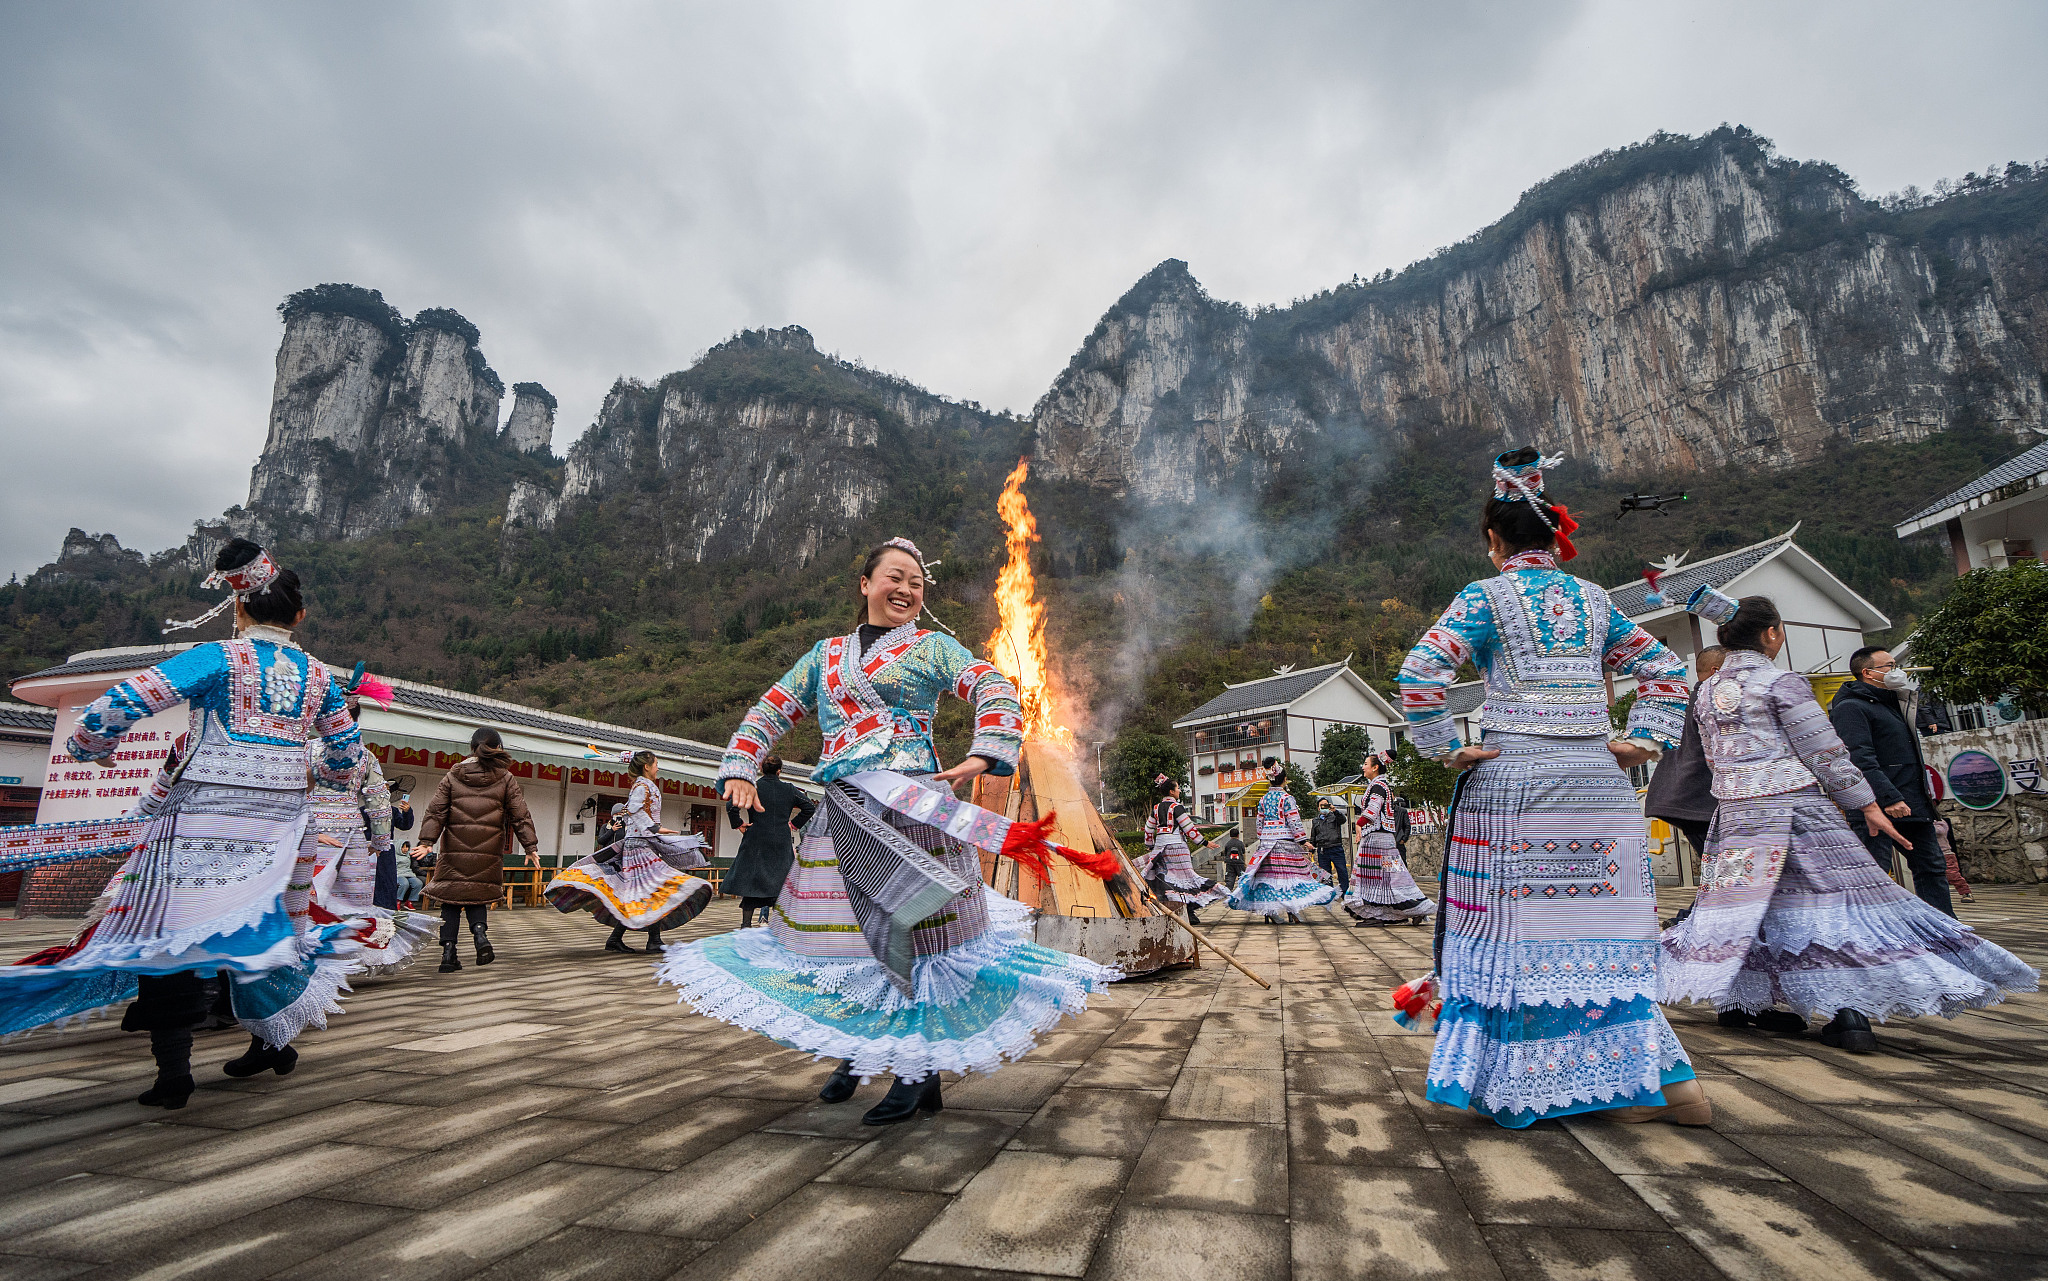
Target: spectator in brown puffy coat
476 805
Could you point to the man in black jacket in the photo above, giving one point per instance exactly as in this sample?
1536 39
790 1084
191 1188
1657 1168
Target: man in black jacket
1681 789
766 848
1326 833
1873 714
1233 858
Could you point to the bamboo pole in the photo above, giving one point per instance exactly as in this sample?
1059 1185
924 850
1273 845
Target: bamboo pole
1166 910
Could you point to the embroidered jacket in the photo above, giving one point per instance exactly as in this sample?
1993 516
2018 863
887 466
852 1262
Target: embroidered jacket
876 712
1280 817
1377 814
1764 733
643 808
360 802
1541 637
1169 816
256 703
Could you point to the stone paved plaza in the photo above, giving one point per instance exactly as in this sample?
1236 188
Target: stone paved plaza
557 1115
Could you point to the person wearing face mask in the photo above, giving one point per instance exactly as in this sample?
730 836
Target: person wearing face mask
1874 714
1790 911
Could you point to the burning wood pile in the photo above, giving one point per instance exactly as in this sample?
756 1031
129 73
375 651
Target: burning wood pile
1109 921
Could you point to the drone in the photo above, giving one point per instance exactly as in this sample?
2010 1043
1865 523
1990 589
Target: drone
1647 503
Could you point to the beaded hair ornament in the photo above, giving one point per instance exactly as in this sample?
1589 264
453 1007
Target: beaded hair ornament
242 582
1160 780
905 545
1525 481
1716 607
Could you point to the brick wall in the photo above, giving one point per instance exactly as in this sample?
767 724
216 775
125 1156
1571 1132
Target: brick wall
67 889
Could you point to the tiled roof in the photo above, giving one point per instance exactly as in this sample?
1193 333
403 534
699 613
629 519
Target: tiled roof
1463 700
23 716
1270 691
1682 582
91 663
2030 462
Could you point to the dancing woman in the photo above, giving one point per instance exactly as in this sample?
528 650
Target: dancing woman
1547 943
1280 879
1171 835
642 881
1382 890
220 883
1791 909
884 949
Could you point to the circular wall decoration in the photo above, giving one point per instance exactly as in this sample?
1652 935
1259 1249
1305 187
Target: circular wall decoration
1976 779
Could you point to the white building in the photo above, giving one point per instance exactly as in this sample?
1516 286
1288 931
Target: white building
1283 715
1995 519
1825 620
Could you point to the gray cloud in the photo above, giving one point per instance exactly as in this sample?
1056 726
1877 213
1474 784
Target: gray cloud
951 192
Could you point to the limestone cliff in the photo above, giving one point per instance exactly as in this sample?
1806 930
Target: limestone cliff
1677 304
372 417
765 447
531 426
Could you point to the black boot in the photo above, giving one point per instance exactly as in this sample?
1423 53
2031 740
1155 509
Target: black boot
617 942
746 918
839 1087
1784 1022
484 954
173 1053
654 940
260 1057
904 1101
1850 1031
449 961
1736 1018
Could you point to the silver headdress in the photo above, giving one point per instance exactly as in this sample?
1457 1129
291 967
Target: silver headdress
905 545
242 581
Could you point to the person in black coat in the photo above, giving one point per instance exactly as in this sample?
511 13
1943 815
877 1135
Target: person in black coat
608 834
1874 720
1681 788
1326 833
766 848
1233 857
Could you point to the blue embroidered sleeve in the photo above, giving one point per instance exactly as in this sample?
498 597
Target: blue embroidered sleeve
998 715
1463 634
190 675
338 730
1659 711
786 702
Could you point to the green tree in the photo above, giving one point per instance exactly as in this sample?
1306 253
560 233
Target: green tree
1133 759
1343 754
1990 638
1423 781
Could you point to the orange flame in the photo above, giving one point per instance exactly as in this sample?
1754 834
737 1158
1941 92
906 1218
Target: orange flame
1018 646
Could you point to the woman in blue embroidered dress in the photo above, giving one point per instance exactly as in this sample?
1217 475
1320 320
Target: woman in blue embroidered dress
1280 877
1547 938
1791 909
884 949
220 883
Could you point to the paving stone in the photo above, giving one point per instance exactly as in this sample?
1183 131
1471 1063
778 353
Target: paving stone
584 1254
1212 1245
1653 1147
1357 1131
842 1232
1114 1069
1168 1007
1026 1212
1753 1230
2019 1110
1901 1196
1349 1223
940 1272
724 1190
1209 1166
1539 1254
1743 1106
256 1245
136 1227
1994 1156
375 1124
1815 1081
683 1135
1155 1034
19 1267
17 1092
651 1098
470 1232
1339 1075
1092 1123
1540 1178
428 1182
1019 1087
934 1154
1228 1094
26 1207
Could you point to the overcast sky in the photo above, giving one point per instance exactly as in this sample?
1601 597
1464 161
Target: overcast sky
950 191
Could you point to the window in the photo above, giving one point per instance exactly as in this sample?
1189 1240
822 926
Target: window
1246 733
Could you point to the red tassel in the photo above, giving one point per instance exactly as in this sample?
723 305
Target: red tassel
1099 866
1026 843
1566 527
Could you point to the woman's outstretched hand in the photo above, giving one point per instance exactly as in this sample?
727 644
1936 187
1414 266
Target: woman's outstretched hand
1628 755
740 794
1466 757
1874 816
965 769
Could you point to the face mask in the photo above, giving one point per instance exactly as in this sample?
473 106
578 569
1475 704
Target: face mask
1897 679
